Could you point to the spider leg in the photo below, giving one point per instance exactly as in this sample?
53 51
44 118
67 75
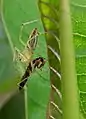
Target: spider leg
18 55
21 30
17 51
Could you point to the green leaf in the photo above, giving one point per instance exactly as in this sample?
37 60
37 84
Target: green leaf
13 15
78 13
50 15
6 66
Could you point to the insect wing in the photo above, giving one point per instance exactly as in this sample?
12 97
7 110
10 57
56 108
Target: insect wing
25 76
22 83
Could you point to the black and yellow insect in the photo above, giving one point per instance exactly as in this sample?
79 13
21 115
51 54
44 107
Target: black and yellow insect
36 63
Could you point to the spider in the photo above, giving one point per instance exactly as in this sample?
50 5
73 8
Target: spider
26 55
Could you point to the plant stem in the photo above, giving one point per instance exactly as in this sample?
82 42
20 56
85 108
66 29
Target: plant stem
69 79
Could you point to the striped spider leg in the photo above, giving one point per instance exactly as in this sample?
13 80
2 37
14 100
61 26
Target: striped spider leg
26 54
36 63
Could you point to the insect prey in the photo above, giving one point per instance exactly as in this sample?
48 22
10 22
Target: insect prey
36 63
